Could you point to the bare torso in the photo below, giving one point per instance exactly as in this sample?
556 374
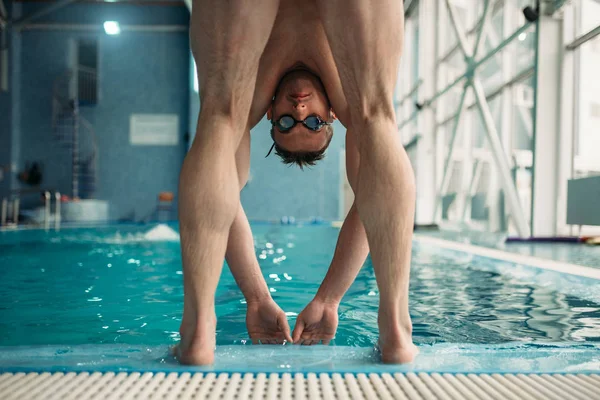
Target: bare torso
297 38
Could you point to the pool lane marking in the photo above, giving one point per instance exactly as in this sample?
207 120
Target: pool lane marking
537 262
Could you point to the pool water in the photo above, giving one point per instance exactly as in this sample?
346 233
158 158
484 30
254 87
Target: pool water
109 296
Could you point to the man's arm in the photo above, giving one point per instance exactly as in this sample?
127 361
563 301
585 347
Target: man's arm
318 321
266 322
352 247
242 262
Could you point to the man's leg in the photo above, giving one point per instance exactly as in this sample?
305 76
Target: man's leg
227 39
367 57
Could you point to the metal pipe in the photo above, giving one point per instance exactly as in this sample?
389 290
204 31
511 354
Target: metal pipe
460 35
451 147
510 190
491 54
4 209
472 189
44 11
482 26
411 118
445 90
411 92
57 214
15 210
584 38
526 73
502 45
47 210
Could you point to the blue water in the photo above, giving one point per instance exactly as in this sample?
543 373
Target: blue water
108 298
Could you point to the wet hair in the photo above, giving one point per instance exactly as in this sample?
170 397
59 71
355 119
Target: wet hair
302 158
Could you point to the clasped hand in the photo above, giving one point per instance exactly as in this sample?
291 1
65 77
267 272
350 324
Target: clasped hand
267 323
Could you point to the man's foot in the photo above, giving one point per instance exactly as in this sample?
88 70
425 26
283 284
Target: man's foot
395 342
197 345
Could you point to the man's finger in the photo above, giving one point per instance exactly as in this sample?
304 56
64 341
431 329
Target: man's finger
298 329
326 341
284 326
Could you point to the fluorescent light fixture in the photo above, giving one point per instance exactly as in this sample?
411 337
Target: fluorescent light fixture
112 28
522 36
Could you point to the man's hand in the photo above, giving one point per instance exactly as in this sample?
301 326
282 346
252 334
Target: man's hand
318 321
267 323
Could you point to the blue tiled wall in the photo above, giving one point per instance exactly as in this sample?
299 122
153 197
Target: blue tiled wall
9 140
148 73
138 73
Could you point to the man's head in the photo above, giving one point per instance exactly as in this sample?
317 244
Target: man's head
300 94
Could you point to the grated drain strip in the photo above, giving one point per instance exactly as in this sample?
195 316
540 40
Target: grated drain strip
403 386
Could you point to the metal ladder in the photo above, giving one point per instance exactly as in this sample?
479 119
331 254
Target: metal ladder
75 132
11 208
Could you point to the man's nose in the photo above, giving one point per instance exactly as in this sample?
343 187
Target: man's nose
299 110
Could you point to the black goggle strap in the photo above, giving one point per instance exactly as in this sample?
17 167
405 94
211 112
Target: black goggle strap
270 150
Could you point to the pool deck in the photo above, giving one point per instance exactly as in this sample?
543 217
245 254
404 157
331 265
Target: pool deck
298 386
572 253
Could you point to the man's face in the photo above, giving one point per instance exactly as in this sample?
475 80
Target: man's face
300 94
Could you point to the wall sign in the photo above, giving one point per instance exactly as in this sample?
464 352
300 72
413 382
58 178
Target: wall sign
154 129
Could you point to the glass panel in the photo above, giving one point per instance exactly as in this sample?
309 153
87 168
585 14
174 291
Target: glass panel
522 128
447 38
522 141
590 16
587 137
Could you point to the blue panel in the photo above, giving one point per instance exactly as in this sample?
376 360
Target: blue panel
277 190
138 73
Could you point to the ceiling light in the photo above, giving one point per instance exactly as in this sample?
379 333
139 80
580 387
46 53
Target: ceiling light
112 28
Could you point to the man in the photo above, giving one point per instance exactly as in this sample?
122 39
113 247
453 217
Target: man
302 64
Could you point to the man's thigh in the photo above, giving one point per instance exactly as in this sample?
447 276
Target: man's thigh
367 56
227 39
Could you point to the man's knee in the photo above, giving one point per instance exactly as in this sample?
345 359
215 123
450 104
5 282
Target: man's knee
372 114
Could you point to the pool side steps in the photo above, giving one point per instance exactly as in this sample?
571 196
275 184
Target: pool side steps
186 385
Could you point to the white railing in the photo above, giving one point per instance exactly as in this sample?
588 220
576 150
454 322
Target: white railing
9 211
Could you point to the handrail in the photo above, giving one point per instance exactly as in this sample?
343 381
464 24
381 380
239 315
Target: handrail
3 213
15 210
47 210
57 215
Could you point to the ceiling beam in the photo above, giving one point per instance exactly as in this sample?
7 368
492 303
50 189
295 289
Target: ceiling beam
44 11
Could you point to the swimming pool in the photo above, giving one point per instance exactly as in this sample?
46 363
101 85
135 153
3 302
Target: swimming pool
111 298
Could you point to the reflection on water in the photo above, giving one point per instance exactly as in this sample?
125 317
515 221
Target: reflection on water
87 287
